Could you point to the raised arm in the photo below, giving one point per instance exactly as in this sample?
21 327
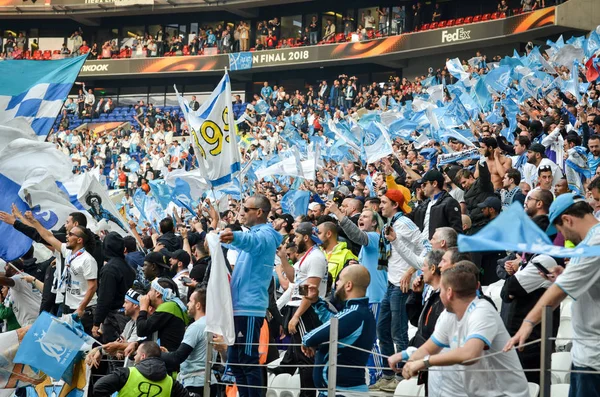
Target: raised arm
43 232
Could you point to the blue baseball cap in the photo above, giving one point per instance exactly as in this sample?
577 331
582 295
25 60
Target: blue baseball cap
560 205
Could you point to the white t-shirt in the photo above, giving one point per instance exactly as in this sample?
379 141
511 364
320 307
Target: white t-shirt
457 194
311 264
130 332
482 321
26 301
580 280
77 272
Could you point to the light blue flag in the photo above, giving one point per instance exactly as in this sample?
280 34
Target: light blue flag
35 91
577 41
295 202
133 165
455 114
161 191
376 142
513 230
511 62
428 81
182 196
240 61
456 69
152 211
499 78
261 107
138 201
366 119
481 96
464 136
403 128
54 359
592 44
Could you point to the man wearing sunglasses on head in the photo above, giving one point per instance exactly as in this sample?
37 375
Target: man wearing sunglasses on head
249 289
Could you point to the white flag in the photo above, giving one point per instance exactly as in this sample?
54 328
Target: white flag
213 134
219 306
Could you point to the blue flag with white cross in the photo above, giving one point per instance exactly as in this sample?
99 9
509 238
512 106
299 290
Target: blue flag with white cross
35 91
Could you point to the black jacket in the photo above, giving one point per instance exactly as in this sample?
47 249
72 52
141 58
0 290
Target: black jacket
115 278
481 189
170 328
171 241
444 213
152 368
423 316
518 303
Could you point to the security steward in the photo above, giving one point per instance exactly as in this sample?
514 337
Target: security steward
148 378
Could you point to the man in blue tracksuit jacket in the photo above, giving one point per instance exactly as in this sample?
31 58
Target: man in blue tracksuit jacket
249 289
357 327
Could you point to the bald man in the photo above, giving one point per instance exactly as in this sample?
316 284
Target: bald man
352 209
355 318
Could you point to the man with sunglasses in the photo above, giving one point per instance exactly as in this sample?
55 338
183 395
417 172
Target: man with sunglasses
249 289
78 277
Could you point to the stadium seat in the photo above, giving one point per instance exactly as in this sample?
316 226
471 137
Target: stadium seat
186 50
425 26
459 21
37 55
565 308
279 384
448 23
477 18
561 362
495 15
293 389
493 291
27 55
340 38
564 335
47 55
534 389
559 390
468 20
486 17
433 25
502 15
409 388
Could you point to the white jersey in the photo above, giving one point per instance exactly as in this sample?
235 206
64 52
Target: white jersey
504 374
80 267
312 264
26 301
580 281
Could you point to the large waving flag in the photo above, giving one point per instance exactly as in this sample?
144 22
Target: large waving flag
15 375
213 135
53 356
35 91
376 142
295 202
23 164
514 231
91 197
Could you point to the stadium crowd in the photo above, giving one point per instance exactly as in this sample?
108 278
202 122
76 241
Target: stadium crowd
267 34
378 245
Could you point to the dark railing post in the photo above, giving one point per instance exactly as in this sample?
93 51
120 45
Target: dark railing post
546 352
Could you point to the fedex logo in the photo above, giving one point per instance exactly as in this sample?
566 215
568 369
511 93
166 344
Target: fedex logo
459 34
